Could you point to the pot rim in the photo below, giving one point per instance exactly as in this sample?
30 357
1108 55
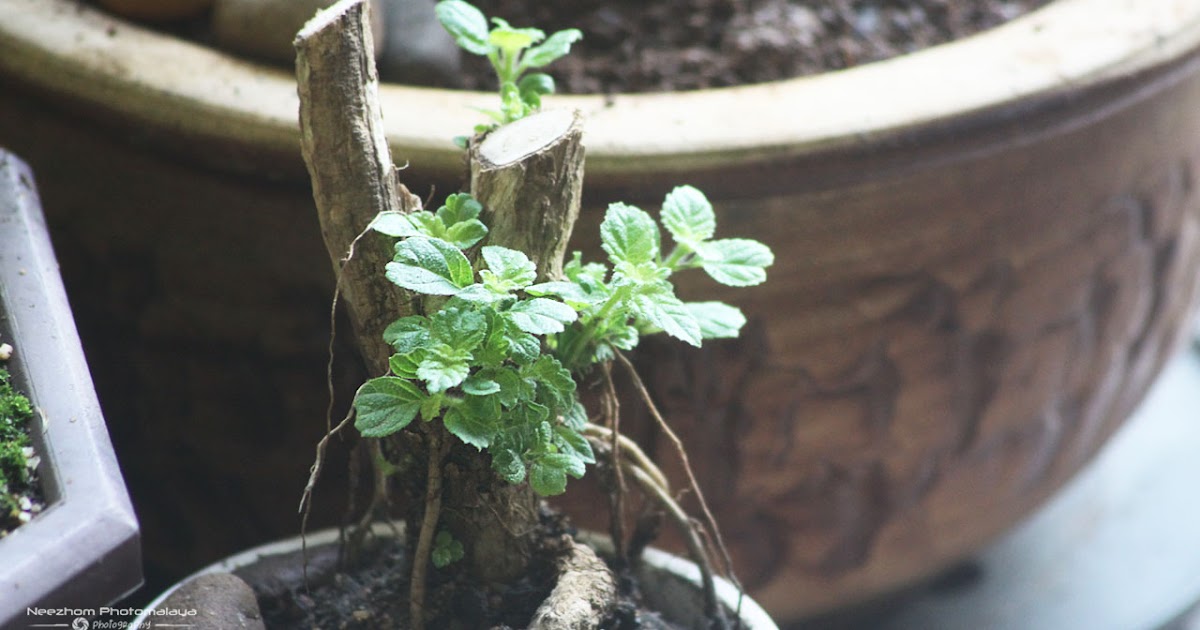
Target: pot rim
753 615
168 84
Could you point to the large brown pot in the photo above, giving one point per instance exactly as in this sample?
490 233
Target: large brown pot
986 250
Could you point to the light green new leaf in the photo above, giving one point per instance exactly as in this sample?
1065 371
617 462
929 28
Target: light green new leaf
480 386
717 320
444 367
407 333
405 365
541 316
688 216
658 306
385 405
736 262
470 428
430 266
629 234
569 292
513 40
555 46
466 24
533 87
511 267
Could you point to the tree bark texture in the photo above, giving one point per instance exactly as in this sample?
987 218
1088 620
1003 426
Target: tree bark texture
353 178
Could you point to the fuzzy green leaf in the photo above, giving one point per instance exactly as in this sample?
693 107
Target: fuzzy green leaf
405 365
541 316
575 416
555 46
523 347
547 479
385 405
511 268
568 292
507 463
458 328
553 379
466 24
688 216
407 334
628 234
736 262
473 429
430 266
444 367
658 306
570 439
717 320
396 224
533 87
480 386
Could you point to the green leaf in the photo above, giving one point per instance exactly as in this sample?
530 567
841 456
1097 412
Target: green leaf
459 207
510 386
552 378
466 25
570 439
395 224
533 87
444 367
432 406
464 234
717 320
458 328
405 365
472 429
555 46
569 292
430 266
480 386
507 463
547 479
657 305
385 405
511 267
407 334
479 294
446 550
575 416
629 234
736 262
523 347
688 216
541 316
513 40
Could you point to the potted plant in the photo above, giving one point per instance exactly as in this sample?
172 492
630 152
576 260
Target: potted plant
485 339
81 551
998 240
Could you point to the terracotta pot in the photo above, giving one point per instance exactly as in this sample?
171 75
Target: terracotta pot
82 551
669 583
986 251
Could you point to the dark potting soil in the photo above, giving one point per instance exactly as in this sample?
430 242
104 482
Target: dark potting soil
374 595
641 46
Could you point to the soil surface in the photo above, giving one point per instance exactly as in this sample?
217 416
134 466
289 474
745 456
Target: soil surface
374 595
640 46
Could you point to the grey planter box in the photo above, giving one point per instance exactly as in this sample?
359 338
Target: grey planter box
84 550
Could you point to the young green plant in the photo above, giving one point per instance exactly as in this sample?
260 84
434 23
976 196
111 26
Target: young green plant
513 52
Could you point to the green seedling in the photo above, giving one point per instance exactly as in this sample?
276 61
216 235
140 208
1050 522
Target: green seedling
513 52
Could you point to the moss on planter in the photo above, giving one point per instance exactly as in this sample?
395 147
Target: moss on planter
17 503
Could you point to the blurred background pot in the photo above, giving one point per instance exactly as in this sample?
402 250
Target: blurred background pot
82 550
986 251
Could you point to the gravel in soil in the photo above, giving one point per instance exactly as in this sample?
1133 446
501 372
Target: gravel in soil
640 46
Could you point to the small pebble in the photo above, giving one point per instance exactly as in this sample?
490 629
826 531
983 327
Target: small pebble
6 351
157 10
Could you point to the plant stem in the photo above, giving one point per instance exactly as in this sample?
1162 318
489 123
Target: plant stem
424 548
613 411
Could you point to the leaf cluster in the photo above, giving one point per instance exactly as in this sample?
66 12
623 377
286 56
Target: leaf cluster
497 361
15 414
513 52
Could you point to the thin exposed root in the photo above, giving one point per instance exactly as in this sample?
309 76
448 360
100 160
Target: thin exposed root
630 450
709 519
612 412
424 549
